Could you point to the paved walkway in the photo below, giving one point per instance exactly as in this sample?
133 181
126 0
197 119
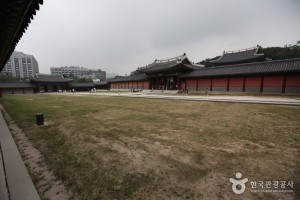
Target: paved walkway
3 188
15 180
293 101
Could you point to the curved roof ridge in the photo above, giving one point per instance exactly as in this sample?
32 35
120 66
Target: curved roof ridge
240 50
139 77
253 63
267 67
181 57
238 55
49 77
174 60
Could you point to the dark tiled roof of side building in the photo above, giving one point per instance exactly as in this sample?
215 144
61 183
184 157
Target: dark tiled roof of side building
81 84
49 78
15 85
238 56
141 77
101 83
267 67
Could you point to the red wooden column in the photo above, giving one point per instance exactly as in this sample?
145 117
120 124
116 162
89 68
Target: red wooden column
197 84
274 84
283 84
211 83
178 82
292 84
244 83
228 82
262 84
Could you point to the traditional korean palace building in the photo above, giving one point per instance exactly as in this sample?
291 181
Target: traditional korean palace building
242 71
53 83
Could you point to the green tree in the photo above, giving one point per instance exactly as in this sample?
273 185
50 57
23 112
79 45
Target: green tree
280 53
9 78
207 63
135 72
82 80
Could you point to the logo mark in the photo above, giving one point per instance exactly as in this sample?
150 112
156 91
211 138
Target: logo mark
241 182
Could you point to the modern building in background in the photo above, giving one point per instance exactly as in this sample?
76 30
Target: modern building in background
81 72
21 65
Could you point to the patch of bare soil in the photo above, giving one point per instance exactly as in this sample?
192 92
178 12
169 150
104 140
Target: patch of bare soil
116 151
44 180
176 166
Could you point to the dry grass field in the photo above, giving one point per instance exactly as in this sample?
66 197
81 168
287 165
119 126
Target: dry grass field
126 148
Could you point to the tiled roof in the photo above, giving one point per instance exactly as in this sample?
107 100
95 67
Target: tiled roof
82 84
50 78
267 67
141 77
169 64
101 83
15 16
16 85
238 56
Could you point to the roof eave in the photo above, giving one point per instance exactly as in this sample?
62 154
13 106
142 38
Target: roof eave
20 19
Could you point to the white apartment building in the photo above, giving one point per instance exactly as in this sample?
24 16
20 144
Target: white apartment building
21 65
80 72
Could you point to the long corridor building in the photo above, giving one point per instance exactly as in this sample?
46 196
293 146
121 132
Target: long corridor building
242 71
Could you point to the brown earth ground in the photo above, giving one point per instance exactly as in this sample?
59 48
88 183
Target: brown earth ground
44 180
121 148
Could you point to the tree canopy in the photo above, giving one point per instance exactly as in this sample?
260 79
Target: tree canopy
9 78
81 80
280 53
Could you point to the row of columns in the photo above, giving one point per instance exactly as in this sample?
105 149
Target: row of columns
262 78
164 82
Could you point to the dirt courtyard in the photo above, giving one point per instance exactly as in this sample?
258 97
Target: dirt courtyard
124 148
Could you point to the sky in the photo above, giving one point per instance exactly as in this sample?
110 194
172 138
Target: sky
120 35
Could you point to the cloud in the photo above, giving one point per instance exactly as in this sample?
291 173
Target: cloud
119 36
